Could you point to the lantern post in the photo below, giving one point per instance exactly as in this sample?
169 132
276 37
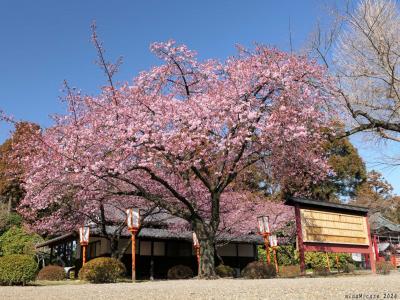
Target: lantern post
337 263
133 223
263 229
84 241
273 241
327 262
196 246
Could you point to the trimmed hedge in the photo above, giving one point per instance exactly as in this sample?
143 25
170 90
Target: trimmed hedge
102 270
16 240
17 269
180 272
287 255
259 270
225 271
52 273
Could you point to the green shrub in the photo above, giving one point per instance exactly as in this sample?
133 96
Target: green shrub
52 273
17 241
318 259
17 269
289 271
259 270
321 271
180 272
286 255
102 270
225 271
8 220
384 267
349 268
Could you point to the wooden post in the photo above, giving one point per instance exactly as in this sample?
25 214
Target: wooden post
300 240
266 242
371 249
327 262
276 260
376 248
152 261
337 263
51 254
83 254
133 239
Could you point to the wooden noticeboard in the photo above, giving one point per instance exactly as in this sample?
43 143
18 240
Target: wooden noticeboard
332 227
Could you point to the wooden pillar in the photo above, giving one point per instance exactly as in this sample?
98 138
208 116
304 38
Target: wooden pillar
133 242
275 260
300 240
83 254
266 242
376 248
371 248
337 262
327 262
237 255
51 254
152 261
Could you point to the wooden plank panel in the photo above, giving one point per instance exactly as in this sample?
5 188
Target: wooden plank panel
329 227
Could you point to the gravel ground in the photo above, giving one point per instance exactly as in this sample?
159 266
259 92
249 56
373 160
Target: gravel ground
347 287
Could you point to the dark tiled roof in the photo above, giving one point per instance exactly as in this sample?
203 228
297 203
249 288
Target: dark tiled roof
380 223
56 239
157 233
326 205
161 234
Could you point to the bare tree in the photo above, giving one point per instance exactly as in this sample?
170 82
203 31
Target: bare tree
362 50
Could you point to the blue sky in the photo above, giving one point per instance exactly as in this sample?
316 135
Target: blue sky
44 42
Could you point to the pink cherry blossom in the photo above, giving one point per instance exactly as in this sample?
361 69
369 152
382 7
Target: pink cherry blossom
176 138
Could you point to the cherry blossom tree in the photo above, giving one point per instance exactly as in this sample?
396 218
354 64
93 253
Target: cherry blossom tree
176 139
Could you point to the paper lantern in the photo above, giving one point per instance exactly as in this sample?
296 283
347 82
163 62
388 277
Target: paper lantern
133 218
263 224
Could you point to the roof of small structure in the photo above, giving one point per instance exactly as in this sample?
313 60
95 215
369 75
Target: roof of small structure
380 224
326 205
160 234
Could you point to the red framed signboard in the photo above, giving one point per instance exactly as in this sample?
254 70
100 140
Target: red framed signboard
331 227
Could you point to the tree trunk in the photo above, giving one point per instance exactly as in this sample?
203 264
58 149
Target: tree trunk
114 248
207 250
207 259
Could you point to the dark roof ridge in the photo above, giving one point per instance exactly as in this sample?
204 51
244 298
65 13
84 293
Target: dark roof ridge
322 204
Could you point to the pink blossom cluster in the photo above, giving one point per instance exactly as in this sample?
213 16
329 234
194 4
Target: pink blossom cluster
177 137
